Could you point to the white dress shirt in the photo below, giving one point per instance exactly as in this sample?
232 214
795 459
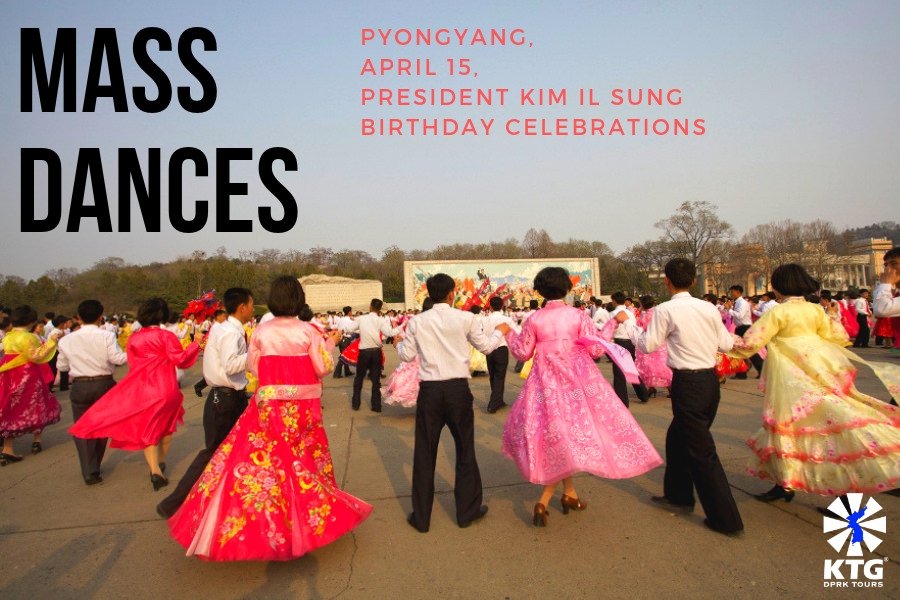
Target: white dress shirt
621 332
765 307
225 355
440 337
691 328
601 316
740 312
862 306
371 328
90 352
884 303
344 324
489 323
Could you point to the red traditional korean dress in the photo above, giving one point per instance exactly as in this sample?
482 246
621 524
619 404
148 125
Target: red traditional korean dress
269 492
146 405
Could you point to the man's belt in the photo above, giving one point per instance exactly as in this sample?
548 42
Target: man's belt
92 378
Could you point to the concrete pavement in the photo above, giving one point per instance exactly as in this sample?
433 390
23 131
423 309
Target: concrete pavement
62 539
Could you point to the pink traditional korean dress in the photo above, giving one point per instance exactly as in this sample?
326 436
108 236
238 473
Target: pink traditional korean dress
269 492
26 404
652 367
567 418
146 405
820 434
402 387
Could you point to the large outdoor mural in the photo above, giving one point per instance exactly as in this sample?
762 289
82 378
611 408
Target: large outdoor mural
477 281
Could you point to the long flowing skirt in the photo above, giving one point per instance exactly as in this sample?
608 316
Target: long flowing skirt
269 492
402 387
567 419
26 404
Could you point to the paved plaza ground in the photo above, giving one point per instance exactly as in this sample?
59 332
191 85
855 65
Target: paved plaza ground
62 539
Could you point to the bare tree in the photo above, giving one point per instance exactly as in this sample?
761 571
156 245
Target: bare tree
537 243
691 229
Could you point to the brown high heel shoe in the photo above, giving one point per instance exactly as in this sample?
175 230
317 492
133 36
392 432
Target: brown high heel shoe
540 515
569 502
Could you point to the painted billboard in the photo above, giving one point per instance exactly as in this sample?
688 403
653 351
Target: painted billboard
478 280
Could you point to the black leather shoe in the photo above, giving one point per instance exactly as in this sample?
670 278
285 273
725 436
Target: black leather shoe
162 513
378 410
493 409
198 390
738 533
481 512
669 505
93 480
412 523
740 376
158 482
776 493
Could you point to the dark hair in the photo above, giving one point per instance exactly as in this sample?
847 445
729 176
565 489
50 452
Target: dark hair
153 312
220 311
439 286
305 313
647 302
739 288
475 310
286 297
892 253
375 304
496 303
825 295
710 298
427 304
793 280
48 315
347 310
174 318
4 323
22 316
234 297
813 299
59 320
552 283
852 294
618 297
681 272
533 304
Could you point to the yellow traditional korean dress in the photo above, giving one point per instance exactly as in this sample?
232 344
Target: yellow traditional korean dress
820 434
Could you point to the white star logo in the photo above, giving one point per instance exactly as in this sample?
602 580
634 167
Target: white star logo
854 525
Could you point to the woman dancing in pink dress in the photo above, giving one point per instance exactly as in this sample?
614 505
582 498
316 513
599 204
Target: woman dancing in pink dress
567 418
402 387
269 492
652 367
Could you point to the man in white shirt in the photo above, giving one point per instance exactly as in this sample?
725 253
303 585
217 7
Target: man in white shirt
225 370
601 315
498 360
440 337
766 303
620 337
861 306
742 319
884 303
90 356
693 332
344 324
372 329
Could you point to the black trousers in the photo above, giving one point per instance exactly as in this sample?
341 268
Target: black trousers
83 396
755 360
221 411
497 363
445 403
862 338
340 367
620 384
691 458
369 362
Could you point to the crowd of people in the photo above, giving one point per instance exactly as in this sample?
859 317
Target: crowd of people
263 486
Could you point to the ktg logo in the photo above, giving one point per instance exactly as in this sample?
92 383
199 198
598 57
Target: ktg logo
854 529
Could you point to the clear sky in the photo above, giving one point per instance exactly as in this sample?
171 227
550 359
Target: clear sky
800 102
